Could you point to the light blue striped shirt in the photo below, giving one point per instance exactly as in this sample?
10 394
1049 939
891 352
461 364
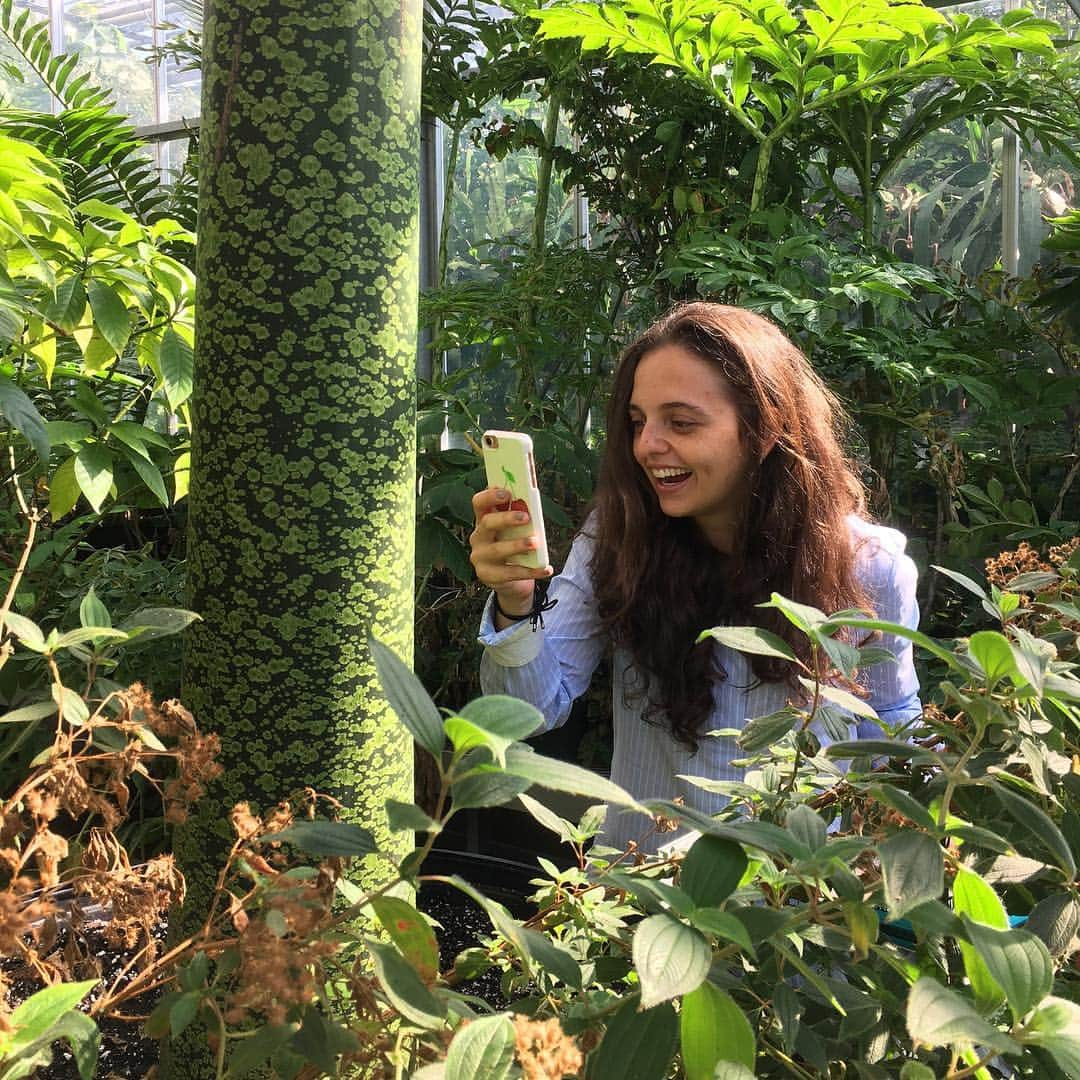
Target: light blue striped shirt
553 666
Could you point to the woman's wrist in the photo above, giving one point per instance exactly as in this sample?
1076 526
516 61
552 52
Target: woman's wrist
508 609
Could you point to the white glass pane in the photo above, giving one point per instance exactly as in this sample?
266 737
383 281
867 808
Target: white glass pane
113 37
19 86
179 77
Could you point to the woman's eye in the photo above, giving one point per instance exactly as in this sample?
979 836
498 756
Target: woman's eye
682 425
636 425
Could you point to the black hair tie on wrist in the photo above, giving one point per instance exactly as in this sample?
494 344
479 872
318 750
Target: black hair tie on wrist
535 614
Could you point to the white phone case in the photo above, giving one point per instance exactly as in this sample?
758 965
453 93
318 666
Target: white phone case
508 459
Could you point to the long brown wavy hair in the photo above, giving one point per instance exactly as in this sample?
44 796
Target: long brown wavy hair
659 583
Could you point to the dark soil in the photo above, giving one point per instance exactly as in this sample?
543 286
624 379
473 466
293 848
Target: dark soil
127 1054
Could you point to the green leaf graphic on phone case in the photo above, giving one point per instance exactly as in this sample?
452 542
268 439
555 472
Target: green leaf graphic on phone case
508 478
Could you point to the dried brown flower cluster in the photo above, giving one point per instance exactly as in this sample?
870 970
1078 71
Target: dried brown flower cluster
1001 569
1062 553
544 1050
80 786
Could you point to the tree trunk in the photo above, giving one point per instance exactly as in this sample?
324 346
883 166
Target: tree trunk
303 458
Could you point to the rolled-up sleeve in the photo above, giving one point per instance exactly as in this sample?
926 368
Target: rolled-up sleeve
890 578
552 666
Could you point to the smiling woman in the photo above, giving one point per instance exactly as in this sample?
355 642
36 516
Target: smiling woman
724 481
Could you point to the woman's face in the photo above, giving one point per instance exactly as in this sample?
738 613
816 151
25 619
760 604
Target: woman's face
687 439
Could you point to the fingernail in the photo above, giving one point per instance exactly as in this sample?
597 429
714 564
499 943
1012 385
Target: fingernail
521 516
502 493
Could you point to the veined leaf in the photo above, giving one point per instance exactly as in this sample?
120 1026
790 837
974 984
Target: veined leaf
714 1029
671 958
913 870
23 416
94 474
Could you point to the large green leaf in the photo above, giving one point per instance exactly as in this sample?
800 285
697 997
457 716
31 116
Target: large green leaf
1018 962
38 1013
487 785
496 721
1038 823
976 898
177 368
991 651
671 958
341 839
1056 1028
764 731
637 1045
66 310
1056 920
411 933
405 989
110 314
938 1016
749 639
713 1029
711 869
23 416
913 870
483 1049
408 699
94 474
148 624
63 490
563 776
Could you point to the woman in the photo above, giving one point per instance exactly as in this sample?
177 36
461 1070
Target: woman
723 481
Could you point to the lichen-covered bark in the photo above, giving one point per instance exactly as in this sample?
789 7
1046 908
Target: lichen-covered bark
302 494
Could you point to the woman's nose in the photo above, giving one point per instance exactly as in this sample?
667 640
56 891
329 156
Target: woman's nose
651 438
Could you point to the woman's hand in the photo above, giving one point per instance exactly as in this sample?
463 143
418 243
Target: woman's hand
513 584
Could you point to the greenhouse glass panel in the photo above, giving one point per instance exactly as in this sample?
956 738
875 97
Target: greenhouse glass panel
180 78
113 38
19 86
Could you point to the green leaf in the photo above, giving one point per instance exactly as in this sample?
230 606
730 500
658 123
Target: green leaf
671 958
149 624
410 932
902 801
63 490
962 579
39 1012
1036 821
1056 1028
562 776
552 957
334 838
110 315
407 993
806 826
636 1045
183 1012
714 1029
177 368
482 1050
322 1041
148 473
23 416
711 870
487 785
803 616
913 870
843 698
496 722
991 651
749 639
890 748
723 925
29 713
937 1016
408 699
256 1048
92 612
65 432
1017 961
731 1070
66 310
975 898
1054 919
94 474
765 731
82 1035
72 707
548 818
26 630
897 630
404 816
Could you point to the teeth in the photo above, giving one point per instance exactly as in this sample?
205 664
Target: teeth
663 474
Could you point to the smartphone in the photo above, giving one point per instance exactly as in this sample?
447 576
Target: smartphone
508 459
